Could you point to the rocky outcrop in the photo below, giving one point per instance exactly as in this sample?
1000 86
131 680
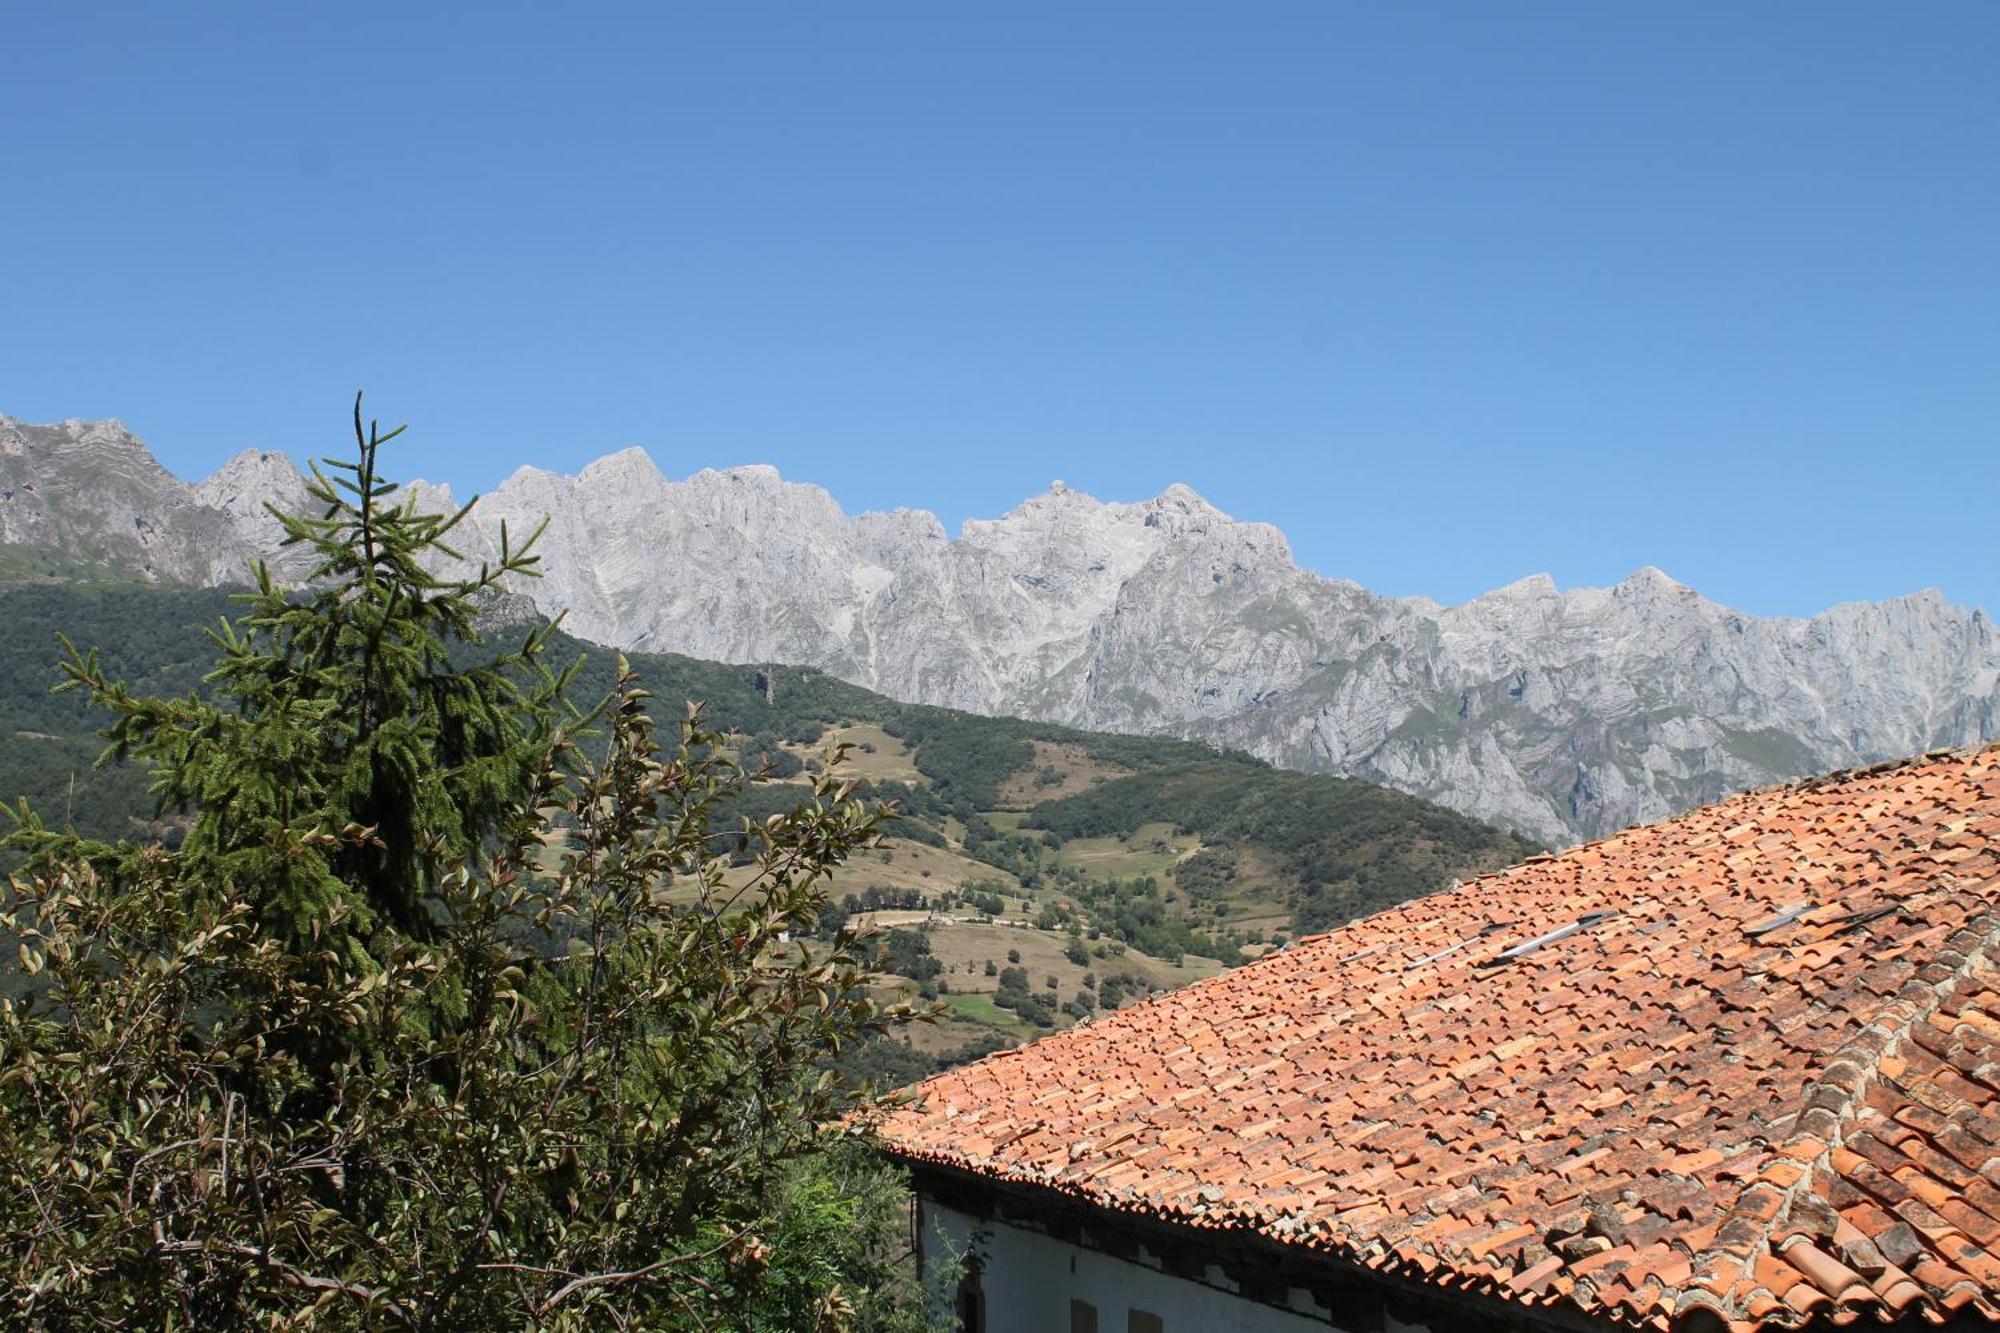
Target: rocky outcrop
246 489
1562 714
90 491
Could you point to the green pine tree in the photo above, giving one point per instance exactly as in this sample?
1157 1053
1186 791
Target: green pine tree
348 707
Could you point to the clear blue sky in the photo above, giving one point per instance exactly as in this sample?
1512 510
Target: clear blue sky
1453 293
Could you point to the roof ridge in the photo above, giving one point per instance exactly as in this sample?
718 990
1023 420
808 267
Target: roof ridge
1961 753
1723 1282
1816 782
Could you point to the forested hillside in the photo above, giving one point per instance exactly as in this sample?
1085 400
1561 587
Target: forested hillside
1037 873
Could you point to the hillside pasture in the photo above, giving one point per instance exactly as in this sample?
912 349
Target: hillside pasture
875 756
965 947
1058 769
1149 849
903 864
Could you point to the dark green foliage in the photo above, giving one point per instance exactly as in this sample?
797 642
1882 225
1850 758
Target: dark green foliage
1209 875
803 704
58 776
981 899
1036 1009
906 824
1348 847
1116 989
1135 911
765 756
883 1062
345 711
966 757
834 1252
1016 853
907 953
153 639
969 758
1015 992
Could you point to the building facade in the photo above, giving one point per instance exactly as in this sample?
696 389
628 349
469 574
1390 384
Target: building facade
1050 1265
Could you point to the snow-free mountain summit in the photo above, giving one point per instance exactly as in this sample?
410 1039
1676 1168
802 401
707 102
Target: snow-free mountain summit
1561 713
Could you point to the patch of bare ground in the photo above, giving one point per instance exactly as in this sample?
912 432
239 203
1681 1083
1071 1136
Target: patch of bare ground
965 947
874 756
1057 770
904 865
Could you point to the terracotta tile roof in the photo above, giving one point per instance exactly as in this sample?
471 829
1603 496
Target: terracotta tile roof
1665 1118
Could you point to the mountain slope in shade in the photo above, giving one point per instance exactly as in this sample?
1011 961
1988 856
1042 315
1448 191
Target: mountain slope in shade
1562 714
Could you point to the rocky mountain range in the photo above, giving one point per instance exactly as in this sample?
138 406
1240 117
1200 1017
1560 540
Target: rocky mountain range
1559 713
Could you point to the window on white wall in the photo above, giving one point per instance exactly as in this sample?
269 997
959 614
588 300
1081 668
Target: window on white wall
1082 1317
1138 1321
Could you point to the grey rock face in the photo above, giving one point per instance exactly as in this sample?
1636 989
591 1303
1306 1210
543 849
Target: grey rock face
91 491
245 489
1563 714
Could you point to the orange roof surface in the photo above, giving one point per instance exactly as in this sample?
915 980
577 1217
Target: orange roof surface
1688 1114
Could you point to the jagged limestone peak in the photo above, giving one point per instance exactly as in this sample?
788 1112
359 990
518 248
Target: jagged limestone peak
1560 712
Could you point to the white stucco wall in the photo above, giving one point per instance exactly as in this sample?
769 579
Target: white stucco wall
1030 1279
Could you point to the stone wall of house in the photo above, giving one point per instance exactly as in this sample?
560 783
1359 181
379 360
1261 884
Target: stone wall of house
1031 1282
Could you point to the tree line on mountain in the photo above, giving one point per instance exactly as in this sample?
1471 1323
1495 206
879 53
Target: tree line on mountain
1346 848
